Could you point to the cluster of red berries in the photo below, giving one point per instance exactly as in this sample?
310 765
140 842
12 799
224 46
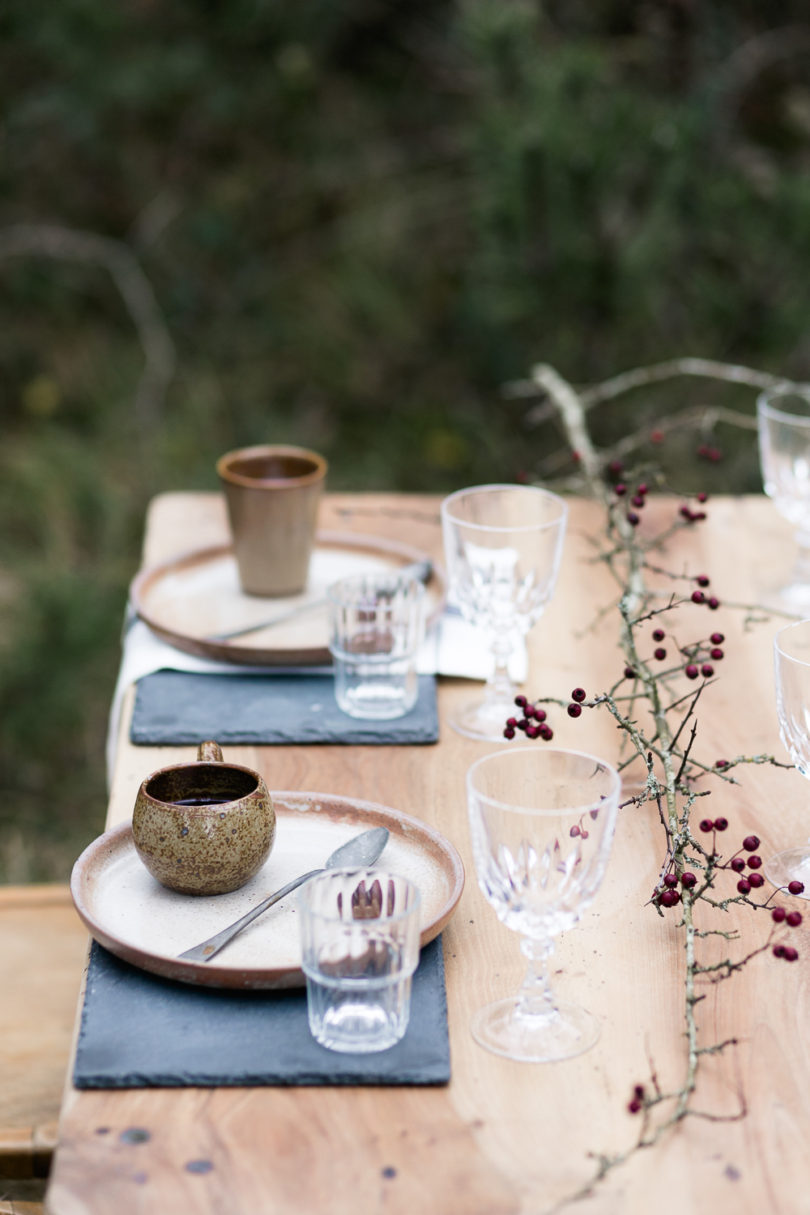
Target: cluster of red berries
638 500
792 919
713 454
700 596
636 1102
668 894
753 880
533 722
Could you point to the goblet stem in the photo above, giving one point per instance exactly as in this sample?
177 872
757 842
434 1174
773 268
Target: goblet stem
535 997
486 716
499 692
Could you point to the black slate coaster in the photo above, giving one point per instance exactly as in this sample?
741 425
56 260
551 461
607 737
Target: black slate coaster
174 707
142 1031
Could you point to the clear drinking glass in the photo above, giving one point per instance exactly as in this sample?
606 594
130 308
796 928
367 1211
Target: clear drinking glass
503 545
360 932
792 675
377 627
542 823
783 420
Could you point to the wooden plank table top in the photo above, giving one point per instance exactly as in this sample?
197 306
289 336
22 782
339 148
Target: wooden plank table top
43 945
505 1138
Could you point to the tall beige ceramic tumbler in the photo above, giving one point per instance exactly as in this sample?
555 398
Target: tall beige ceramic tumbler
272 494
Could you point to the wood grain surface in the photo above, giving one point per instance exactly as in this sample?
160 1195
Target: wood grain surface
506 1138
43 946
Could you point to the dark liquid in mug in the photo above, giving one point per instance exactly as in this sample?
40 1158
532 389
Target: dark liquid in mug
201 801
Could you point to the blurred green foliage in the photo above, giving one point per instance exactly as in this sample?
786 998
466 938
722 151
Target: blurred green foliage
358 222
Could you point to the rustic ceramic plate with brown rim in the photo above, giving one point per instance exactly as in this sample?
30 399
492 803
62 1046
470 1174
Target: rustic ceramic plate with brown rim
193 597
144 923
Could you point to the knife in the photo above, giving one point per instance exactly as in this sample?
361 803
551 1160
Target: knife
418 569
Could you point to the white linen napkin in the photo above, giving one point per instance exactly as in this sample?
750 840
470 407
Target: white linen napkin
452 647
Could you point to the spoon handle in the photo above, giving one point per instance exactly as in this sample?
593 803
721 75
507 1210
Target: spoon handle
205 951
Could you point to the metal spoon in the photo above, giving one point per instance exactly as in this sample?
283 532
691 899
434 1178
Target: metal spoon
361 851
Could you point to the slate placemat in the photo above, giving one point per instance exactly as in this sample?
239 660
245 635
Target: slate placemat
142 1031
173 707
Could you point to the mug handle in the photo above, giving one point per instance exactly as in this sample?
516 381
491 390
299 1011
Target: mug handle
210 752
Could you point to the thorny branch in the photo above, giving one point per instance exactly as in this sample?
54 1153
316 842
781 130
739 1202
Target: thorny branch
691 868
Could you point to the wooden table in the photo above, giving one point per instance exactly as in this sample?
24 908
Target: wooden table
505 1138
43 947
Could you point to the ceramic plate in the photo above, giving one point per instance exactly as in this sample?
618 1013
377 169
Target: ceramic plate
144 923
188 600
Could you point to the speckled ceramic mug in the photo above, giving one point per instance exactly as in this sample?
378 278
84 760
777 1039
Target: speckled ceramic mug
204 827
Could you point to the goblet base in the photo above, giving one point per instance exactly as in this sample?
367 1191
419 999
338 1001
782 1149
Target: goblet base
792 865
483 719
505 1029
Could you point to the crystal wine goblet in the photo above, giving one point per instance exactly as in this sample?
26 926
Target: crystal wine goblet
783 423
791 651
503 545
542 823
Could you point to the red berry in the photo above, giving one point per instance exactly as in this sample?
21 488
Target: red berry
637 500
698 597
669 898
509 732
751 843
688 880
707 670
574 710
634 1106
754 861
574 832
521 702
629 673
713 602
670 879
756 880
658 634
532 731
721 763
717 638
706 824
744 886
716 653
539 714
720 824
702 496
511 723
794 918
633 518
778 951
660 653
620 490
778 914
546 732
578 694
795 887
691 671
702 580
737 864
790 954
